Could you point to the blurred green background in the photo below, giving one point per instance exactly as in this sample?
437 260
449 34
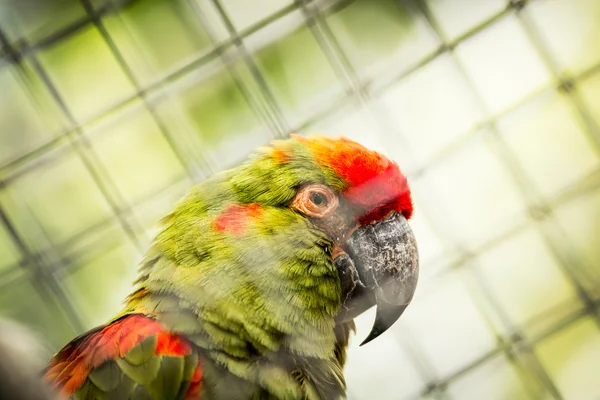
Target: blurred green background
110 110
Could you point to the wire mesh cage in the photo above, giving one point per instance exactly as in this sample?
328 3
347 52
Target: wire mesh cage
110 110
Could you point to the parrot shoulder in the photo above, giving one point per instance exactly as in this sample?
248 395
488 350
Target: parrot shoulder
130 355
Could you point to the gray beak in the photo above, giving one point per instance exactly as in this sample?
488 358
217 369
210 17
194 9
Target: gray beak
380 267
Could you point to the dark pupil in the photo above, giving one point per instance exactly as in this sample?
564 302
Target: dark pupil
317 199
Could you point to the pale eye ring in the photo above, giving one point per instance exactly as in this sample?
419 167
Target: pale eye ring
315 200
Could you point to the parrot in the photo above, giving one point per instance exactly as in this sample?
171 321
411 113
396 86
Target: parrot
251 286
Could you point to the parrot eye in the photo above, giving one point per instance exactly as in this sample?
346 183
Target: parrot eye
315 201
318 199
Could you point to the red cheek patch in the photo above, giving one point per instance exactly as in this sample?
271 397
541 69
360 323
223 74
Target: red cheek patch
235 218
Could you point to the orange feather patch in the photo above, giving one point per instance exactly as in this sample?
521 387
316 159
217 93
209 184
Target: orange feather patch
279 156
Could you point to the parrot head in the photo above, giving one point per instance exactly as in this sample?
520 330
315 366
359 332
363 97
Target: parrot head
309 233
361 201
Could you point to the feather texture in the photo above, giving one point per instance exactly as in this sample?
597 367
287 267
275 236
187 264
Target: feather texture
124 359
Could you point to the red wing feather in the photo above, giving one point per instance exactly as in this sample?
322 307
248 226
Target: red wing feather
68 370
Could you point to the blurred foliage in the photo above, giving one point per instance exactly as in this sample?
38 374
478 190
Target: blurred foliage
24 303
28 117
134 138
373 25
157 36
44 198
570 355
100 272
298 73
85 72
10 255
217 107
381 34
35 20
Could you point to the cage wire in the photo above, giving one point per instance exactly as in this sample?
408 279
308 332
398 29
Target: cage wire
112 109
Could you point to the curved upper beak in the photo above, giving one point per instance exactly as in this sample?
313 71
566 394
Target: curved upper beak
380 267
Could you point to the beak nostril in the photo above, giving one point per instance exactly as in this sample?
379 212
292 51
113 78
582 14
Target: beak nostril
390 215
